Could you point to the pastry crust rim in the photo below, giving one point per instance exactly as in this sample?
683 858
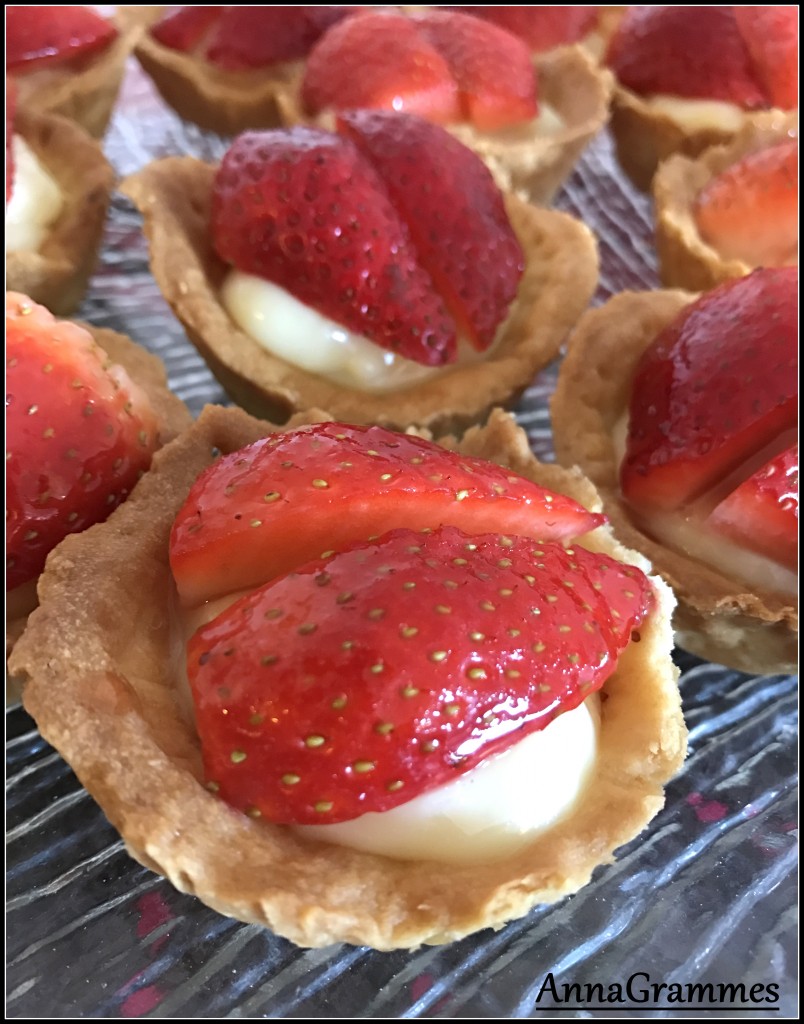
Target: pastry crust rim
313 893
173 196
718 618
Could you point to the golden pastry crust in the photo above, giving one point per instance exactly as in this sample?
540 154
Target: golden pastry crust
685 259
86 93
559 280
105 695
718 618
645 136
57 274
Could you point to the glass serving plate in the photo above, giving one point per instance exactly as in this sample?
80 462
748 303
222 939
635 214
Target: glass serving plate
706 894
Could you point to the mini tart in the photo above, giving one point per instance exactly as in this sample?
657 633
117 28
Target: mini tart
532 166
685 259
84 91
105 695
645 136
560 277
57 274
717 617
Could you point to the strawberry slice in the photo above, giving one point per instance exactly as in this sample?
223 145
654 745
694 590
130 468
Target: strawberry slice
542 28
357 683
40 36
11 111
80 434
303 209
762 513
454 211
716 386
379 59
750 211
183 28
288 498
693 52
494 71
771 35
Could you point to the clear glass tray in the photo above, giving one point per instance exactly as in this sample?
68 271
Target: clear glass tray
707 894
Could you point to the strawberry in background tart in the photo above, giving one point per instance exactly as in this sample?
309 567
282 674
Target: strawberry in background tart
674 97
58 185
67 61
85 411
376 271
693 444
732 209
347 767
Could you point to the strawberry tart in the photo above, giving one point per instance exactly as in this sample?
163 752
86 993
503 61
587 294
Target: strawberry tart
677 96
683 411
376 272
312 668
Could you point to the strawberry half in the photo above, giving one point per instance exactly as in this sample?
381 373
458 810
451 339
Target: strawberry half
750 211
454 212
716 386
11 110
183 28
80 434
303 209
771 35
40 36
287 499
356 683
762 513
693 52
542 28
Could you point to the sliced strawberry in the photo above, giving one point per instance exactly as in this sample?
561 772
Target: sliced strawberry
494 71
11 111
356 683
288 498
39 36
693 52
716 386
379 59
542 28
454 211
762 513
750 211
302 208
771 35
183 28
79 435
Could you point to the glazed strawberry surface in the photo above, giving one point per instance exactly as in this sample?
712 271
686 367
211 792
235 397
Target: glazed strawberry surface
38 37
771 35
541 27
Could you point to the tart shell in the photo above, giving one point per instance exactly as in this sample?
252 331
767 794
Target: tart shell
104 695
717 618
57 274
685 259
560 277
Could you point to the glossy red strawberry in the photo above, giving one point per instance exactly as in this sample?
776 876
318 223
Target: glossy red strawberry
542 28
379 59
715 387
11 110
42 36
183 28
354 684
303 209
692 52
79 435
771 35
288 498
762 513
492 68
750 211
454 212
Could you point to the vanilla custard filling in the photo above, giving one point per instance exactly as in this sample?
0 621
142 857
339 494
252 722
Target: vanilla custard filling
697 114
688 534
296 333
36 201
489 812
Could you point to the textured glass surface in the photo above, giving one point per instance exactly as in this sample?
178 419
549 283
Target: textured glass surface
707 894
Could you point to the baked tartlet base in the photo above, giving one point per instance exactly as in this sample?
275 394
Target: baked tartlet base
717 618
57 274
685 259
98 662
174 196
